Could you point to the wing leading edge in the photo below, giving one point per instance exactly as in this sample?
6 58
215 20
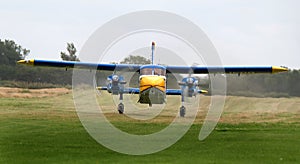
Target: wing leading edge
84 65
170 69
225 69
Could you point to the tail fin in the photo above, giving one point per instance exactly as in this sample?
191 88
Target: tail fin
152 53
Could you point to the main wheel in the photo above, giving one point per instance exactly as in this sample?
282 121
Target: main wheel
121 108
182 111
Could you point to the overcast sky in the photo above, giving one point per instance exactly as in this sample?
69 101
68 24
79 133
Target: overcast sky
244 32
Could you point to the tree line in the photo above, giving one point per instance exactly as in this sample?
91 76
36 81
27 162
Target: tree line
11 71
265 85
259 85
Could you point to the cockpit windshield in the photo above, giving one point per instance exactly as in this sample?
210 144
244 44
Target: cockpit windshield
156 71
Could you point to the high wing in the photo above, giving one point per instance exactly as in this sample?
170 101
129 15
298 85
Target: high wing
84 65
170 69
225 69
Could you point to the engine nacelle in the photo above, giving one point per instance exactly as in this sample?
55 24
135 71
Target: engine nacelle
115 84
189 86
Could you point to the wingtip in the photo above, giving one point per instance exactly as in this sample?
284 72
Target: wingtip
276 69
29 62
21 61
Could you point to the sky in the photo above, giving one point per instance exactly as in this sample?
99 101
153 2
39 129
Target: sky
244 32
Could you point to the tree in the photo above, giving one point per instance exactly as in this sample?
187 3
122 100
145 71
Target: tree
71 53
10 52
135 60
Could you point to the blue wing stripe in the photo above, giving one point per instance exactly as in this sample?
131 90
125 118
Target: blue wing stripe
170 69
71 64
221 69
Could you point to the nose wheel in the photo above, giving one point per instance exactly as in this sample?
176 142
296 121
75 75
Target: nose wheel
121 108
182 111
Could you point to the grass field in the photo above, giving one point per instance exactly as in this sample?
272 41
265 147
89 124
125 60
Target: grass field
41 126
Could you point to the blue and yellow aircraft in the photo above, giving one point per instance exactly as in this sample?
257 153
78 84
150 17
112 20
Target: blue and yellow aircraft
152 80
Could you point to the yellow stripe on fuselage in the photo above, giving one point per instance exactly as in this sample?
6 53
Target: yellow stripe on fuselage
147 81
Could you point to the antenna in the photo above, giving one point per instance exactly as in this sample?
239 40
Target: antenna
152 53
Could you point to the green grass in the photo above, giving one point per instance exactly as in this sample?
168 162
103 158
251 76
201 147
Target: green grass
47 130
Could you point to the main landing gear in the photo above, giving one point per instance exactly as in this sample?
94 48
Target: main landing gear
121 108
182 111
121 105
182 108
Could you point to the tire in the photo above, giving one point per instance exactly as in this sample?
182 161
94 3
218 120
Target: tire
182 111
121 108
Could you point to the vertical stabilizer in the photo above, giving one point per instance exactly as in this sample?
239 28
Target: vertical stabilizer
152 53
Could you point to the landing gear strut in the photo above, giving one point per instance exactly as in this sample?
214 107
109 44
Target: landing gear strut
121 105
182 108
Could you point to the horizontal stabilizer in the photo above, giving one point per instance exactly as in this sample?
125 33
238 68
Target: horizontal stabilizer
202 91
102 88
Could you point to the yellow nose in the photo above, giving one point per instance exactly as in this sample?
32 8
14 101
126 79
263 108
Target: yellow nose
153 81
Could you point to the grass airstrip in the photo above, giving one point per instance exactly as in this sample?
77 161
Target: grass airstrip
41 126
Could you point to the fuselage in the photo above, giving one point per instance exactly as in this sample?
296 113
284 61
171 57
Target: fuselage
152 84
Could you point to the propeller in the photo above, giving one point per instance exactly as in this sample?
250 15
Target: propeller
189 85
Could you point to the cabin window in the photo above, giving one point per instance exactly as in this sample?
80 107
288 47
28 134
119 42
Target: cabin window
146 71
157 71
160 72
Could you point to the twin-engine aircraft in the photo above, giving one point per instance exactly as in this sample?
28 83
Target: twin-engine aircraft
152 78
